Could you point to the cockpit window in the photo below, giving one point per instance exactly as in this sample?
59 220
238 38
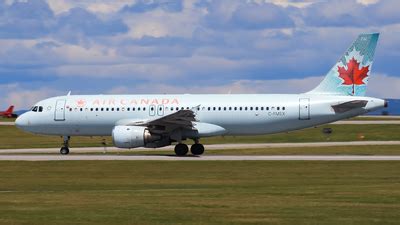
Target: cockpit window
40 108
34 109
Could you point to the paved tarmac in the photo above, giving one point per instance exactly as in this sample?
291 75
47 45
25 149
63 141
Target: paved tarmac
7 123
194 158
207 147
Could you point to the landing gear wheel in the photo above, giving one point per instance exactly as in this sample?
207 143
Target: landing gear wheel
197 149
64 151
181 149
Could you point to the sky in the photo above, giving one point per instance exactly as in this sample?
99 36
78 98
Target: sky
51 47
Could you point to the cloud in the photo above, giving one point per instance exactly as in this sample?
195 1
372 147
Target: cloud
25 19
351 13
142 6
259 16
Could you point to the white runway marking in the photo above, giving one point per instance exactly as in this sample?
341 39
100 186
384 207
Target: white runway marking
7 123
194 158
207 147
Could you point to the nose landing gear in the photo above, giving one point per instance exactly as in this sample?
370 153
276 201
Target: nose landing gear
65 149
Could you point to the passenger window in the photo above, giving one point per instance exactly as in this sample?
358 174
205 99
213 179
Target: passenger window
97 109
267 108
144 108
240 108
262 108
277 108
235 108
283 108
214 108
138 109
82 109
245 108
107 109
117 109
256 108
230 108
91 109
70 109
251 108
133 108
172 108
224 108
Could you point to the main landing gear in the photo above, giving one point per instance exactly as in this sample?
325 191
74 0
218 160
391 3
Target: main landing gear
183 149
65 148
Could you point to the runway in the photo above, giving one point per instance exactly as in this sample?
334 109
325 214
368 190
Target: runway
207 147
194 158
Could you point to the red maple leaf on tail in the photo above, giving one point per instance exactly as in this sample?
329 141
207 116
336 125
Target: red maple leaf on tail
353 75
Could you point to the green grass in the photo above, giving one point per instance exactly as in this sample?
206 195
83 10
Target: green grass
374 118
3 119
136 192
11 137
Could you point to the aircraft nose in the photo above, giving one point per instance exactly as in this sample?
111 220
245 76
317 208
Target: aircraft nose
21 122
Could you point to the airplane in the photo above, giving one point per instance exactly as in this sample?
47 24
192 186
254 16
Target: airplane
9 113
154 121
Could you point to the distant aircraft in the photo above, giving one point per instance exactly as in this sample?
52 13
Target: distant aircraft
8 113
154 121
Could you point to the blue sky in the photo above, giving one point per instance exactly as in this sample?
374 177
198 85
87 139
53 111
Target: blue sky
49 47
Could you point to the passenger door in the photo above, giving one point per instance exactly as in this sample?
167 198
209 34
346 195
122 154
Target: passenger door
59 114
304 109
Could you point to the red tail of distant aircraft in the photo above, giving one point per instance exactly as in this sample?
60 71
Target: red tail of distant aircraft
8 113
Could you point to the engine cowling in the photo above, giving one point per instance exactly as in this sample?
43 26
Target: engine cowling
132 136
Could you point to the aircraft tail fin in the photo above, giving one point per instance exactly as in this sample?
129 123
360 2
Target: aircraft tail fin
10 109
349 76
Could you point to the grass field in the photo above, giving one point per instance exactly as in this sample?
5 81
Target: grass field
2 119
199 192
11 137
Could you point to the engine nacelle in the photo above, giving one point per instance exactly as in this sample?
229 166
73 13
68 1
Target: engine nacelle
132 136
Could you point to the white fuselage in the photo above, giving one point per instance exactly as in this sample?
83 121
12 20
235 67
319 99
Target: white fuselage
247 114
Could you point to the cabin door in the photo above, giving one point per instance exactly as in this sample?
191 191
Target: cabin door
59 114
304 109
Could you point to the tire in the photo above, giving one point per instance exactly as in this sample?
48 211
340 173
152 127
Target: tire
197 149
64 151
181 149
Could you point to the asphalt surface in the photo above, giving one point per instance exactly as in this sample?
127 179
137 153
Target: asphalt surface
207 147
7 123
193 158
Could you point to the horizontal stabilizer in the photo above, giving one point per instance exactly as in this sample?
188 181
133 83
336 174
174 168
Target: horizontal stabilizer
347 106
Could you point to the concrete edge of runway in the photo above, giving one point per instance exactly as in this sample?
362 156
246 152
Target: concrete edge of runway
207 147
195 158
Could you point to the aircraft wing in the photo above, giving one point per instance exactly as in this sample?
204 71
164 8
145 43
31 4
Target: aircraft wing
180 119
347 106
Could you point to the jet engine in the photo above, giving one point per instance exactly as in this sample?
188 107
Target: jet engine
132 136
